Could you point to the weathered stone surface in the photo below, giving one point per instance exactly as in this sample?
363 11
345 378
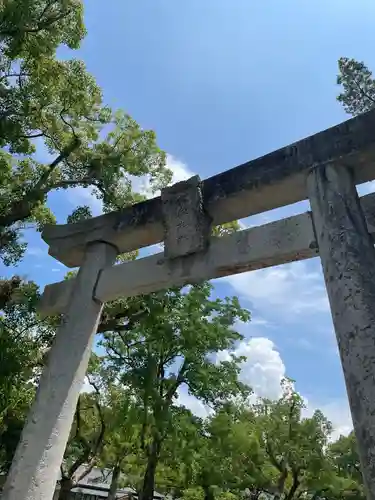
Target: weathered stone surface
35 468
348 259
277 243
271 181
186 225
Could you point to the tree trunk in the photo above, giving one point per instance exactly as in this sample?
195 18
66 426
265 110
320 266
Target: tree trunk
114 482
147 492
66 485
208 493
281 484
293 490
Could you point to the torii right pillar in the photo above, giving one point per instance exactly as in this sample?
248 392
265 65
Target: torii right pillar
348 259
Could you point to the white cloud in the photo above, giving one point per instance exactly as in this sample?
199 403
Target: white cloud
337 411
180 172
290 289
84 196
263 368
87 387
259 321
192 403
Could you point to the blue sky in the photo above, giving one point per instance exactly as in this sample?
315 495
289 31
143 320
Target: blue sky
221 83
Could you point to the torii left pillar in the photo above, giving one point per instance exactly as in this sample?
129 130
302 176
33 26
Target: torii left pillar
39 454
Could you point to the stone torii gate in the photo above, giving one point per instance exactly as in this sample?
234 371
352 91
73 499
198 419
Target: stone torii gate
323 168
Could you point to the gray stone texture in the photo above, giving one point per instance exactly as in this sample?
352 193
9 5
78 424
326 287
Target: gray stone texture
268 182
39 454
348 259
186 225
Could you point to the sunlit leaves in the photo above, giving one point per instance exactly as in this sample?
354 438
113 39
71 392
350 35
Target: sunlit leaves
55 131
358 86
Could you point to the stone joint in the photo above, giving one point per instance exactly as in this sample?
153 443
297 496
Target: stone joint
186 224
94 298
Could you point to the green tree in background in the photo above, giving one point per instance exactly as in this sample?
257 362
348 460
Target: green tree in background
344 459
35 28
228 458
358 86
294 445
174 344
53 108
86 440
24 339
121 453
178 459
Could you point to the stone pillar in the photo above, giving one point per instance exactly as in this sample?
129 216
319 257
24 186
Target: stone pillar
36 464
348 259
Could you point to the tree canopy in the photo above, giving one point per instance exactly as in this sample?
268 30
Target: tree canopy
56 132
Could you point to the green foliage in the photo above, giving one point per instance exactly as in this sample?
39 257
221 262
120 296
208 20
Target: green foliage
80 213
122 431
193 494
358 86
228 456
171 340
24 339
344 459
56 105
33 28
177 325
152 346
226 229
294 445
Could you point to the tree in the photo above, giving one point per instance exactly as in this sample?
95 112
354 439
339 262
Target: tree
54 106
104 431
345 462
178 459
345 456
121 451
358 86
171 341
84 444
24 338
294 445
229 459
35 28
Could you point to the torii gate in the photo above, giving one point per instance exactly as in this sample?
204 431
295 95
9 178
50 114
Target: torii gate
323 168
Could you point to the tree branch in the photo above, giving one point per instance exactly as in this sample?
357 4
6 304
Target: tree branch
13 75
100 438
21 209
180 378
363 92
61 157
78 436
295 484
90 452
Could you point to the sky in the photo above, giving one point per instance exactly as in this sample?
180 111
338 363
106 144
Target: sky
222 83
